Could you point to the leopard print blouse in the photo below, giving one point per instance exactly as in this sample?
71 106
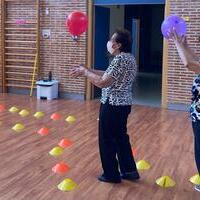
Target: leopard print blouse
123 69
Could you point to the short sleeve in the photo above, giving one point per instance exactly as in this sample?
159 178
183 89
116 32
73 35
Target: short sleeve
115 68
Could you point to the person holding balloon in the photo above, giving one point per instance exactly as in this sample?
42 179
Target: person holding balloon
192 62
117 97
176 31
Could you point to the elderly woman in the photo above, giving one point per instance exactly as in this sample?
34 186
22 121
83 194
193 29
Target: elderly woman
191 61
116 83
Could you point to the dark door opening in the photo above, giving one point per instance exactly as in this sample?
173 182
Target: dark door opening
102 31
147 88
144 22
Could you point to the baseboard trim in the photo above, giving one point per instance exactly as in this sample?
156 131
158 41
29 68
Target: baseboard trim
62 95
178 106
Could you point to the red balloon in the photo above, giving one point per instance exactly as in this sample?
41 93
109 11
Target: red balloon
77 23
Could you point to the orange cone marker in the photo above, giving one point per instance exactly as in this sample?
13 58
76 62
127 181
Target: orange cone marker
43 131
64 143
60 168
134 151
55 116
2 108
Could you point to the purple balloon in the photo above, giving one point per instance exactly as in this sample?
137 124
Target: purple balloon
173 22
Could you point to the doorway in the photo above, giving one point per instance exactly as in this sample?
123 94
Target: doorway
143 21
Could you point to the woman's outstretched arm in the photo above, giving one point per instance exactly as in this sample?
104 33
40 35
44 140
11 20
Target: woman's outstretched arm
188 57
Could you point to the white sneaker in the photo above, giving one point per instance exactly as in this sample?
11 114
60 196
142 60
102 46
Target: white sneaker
197 188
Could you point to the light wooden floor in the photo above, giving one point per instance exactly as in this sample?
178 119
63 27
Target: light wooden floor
163 138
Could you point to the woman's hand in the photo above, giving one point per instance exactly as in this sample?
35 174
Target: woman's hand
178 40
78 71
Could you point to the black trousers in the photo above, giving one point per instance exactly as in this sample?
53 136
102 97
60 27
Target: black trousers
114 144
196 130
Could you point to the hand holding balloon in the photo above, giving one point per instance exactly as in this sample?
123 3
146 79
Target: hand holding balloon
173 23
178 40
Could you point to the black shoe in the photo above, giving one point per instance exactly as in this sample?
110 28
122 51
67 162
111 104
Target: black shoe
131 176
109 180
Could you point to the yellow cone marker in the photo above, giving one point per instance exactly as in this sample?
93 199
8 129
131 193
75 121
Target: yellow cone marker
195 179
14 109
24 113
56 151
67 185
70 119
18 127
142 165
38 115
165 181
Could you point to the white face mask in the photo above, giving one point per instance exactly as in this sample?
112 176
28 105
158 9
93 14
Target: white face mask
110 48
